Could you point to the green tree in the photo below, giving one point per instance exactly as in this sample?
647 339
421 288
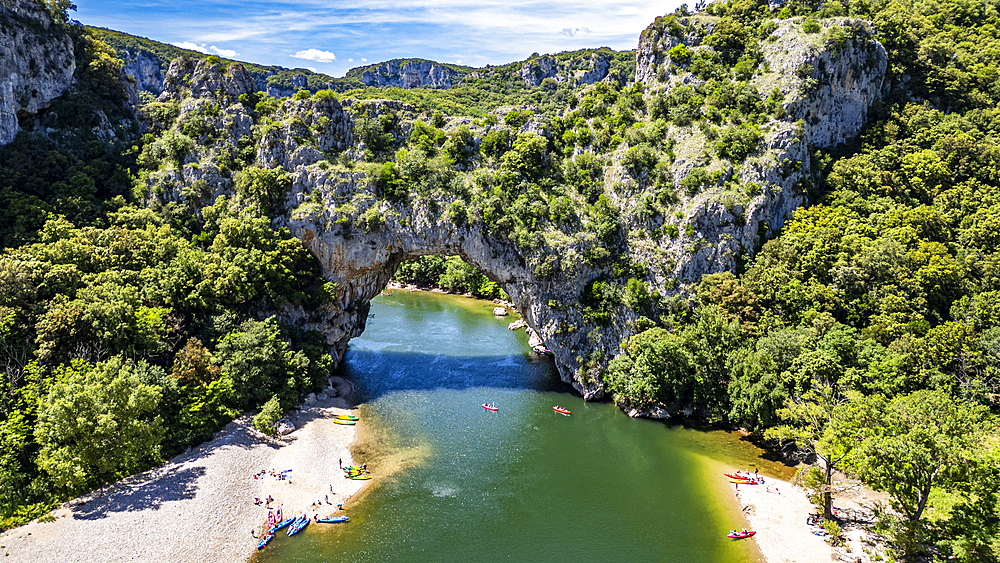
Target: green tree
912 444
809 423
98 423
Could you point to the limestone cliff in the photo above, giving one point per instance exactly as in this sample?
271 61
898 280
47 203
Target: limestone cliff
825 82
409 74
360 231
36 63
575 71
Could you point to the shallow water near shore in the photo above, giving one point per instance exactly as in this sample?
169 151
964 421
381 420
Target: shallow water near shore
455 482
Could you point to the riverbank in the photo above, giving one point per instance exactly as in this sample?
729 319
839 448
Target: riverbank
778 511
200 505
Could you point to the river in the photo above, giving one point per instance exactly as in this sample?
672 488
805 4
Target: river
455 482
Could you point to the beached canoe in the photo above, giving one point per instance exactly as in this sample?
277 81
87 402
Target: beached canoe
332 519
299 525
265 540
744 482
282 524
361 476
741 535
347 417
490 407
342 421
561 410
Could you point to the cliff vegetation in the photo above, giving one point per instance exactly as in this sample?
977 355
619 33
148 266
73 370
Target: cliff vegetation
777 215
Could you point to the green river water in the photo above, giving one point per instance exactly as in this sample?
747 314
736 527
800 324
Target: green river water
454 482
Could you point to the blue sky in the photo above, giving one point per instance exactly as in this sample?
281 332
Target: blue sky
331 36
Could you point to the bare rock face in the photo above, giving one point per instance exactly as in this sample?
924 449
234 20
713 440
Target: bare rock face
36 63
411 74
145 69
576 72
198 78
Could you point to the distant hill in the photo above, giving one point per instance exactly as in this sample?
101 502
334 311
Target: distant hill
148 60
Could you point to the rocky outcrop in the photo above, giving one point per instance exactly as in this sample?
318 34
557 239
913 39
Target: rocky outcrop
576 71
198 78
36 63
826 82
409 74
145 69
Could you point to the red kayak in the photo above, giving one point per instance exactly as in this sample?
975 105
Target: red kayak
561 410
489 407
740 535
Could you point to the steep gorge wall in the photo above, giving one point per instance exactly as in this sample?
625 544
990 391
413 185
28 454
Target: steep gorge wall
825 90
36 63
360 235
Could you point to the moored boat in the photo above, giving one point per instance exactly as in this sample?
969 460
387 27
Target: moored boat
332 519
490 407
740 535
561 410
265 540
299 525
282 524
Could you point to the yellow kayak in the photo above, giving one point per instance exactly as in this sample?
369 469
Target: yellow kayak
341 421
347 417
361 477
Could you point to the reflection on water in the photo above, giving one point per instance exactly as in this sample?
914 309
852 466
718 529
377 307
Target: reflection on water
461 483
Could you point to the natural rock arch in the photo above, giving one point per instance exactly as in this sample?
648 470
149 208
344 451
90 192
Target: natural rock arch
361 263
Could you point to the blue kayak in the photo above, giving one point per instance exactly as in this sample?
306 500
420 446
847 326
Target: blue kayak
298 525
265 540
332 519
282 524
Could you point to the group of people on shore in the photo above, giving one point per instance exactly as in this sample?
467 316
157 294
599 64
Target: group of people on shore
279 475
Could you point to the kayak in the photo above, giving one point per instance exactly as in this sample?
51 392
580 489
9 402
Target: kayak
561 410
347 417
332 519
740 535
282 524
342 421
265 540
361 477
299 525
744 482
490 407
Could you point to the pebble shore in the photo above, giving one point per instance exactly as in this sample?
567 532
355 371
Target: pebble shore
200 505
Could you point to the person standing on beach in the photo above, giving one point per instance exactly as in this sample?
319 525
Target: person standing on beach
340 462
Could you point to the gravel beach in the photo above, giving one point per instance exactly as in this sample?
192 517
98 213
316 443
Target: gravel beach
200 506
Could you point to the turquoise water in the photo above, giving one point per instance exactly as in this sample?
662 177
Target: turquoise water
454 482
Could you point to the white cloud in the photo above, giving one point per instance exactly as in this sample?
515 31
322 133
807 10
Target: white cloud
459 61
223 52
192 47
312 68
316 55
213 50
572 31
364 60
350 60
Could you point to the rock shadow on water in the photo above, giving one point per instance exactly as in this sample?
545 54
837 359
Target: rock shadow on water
378 373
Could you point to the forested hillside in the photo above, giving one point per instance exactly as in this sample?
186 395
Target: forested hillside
147 277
